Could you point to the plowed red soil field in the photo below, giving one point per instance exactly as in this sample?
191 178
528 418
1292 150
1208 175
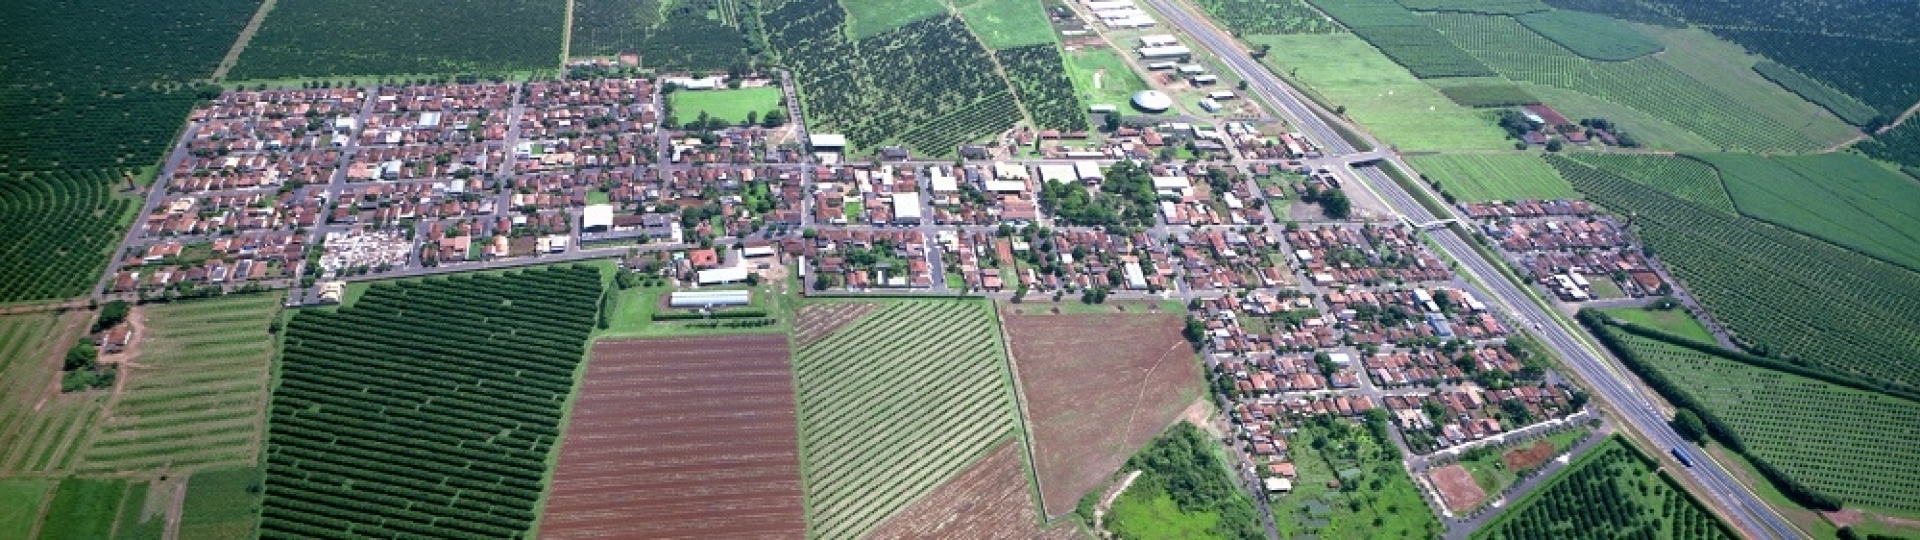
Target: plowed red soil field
988 500
1098 387
1457 487
681 438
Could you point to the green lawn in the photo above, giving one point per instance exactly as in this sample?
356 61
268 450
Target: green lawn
1003 24
1102 77
596 196
1382 96
222 504
731 105
83 508
1489 468
1151 514
1673 321
1494 177
633 311
868 17
20 500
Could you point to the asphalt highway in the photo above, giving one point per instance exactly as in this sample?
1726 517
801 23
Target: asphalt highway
1610 383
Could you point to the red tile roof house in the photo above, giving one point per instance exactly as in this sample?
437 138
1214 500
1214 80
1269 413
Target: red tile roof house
702 259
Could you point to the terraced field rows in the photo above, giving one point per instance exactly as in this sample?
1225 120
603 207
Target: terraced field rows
197 393
1853 444
895 404
40 431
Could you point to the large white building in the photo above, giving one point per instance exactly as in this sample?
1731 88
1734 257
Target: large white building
597 217
1168 51
906 207
709 299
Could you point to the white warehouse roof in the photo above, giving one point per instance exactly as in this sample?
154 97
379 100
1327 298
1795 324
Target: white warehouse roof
906 206
722 275
695 299
827 140
597 215
1165 52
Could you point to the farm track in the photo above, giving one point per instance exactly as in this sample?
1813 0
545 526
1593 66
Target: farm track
246 35
681 438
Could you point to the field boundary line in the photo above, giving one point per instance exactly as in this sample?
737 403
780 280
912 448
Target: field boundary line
1023 419
246 36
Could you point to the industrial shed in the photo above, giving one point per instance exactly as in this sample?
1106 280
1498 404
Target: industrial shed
709 299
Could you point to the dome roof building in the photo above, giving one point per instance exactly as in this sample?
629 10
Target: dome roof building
1153 101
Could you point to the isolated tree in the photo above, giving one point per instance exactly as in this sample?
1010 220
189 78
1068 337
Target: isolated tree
753 118
1689 425
774 118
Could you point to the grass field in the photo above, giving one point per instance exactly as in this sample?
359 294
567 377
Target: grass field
1702 89
1611 489
633 310
20 502
1489 468
1102 77
1673 321
1682 177
41 430
1842 441
893 405
142 514
730 105
1379 499
1004 24
869 17
83 508
1379 94
1494 177
198 394
1186 490
222 504
1841 198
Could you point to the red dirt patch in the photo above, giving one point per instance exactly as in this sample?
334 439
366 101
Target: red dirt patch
817 321
1844 518
1529 457
681 438
1098 387
1457 487
988 500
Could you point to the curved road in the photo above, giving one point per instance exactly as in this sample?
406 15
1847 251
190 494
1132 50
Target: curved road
1611 383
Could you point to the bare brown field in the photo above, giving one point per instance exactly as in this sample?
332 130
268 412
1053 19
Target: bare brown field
1529 457
816 321
988 500
681 438
1457 487
1098 387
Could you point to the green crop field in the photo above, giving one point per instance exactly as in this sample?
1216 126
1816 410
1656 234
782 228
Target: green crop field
83 508
1840 198
198 395
20 502
1380 95
893 404
1729 106
1256 17
1005 24
40 430
1842 441
1493 177
1404 37
329 38
1102 77
1673 321
867 18
1484 95
730 105
1776 290
1835 101
143 514
428 407
1611 492
1040 80
1596 37
668 34
1860 48
1376 498
222 504
1487 7
1681 177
